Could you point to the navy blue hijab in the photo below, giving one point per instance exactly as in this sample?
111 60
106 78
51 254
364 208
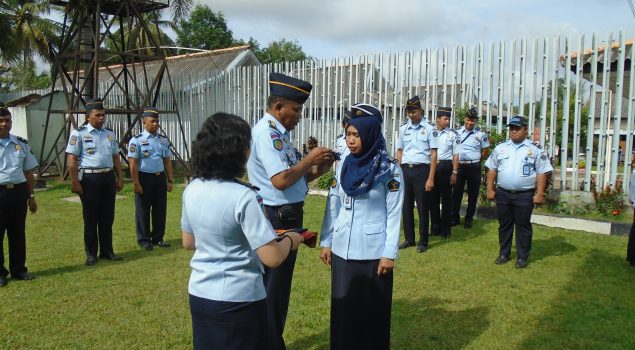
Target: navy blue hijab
360 172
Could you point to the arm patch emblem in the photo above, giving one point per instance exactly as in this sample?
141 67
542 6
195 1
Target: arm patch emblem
277 144
393 185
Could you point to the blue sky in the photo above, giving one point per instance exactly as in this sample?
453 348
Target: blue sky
335 28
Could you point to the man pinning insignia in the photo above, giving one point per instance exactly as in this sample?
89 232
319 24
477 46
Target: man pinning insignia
152 177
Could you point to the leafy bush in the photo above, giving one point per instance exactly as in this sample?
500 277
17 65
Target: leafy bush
324 182
609 201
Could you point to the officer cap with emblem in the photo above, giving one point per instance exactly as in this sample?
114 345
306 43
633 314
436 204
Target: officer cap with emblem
444 112
151 112
413 104
471 113
346 117
518 120
95 103
363 110
290 88
4 112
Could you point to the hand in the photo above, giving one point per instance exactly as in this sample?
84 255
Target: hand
539 198
491 194
137 188
296 240
170 186
325 256
320 155
32 205
325 166
76 187
429 184
119 184
453 178
385 266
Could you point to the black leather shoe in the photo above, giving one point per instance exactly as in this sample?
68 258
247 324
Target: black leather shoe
91 260
468 224
456 222
501 260
3 281
24 276
111 256
162 244
521 263
146 245
406 244
421 248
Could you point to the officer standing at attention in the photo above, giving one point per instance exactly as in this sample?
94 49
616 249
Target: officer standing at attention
149 156
447 169
277 168
519 170
473 146
93 154
417 155
16 193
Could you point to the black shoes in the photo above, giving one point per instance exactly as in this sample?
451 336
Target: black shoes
406 244
456 222
110 256
3 281
521 263
146 245
24 276
91 260
162 244
501 260
468 224
421 248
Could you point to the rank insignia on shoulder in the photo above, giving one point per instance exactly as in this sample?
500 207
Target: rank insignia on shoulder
272 124
277 144
73 140
435 134
393 185
21 139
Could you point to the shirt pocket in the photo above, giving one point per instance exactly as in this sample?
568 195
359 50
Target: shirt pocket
374 228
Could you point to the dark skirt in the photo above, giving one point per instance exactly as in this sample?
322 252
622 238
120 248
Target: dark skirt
360 305
630 250
228 325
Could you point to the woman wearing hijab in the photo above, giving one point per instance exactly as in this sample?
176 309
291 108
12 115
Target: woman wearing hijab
360 235
224 220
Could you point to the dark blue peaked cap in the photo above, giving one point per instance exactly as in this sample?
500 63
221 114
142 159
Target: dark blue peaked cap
4 112
290 88
413 103
95 103
152 112
518 120
363 110
444 112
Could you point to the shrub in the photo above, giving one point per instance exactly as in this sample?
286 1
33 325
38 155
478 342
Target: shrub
609 201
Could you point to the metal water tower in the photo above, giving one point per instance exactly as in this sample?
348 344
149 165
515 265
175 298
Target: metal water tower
129 86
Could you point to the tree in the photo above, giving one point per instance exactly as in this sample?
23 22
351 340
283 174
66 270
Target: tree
281 51
205 29
23 78
8 47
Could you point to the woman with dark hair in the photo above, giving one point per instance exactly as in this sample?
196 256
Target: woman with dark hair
224 221
360 235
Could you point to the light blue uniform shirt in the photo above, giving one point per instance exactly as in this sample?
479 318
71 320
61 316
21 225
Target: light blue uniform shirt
272 153
229 224
471 143
416 141
15 158
364 227
93 147
633 187
448 143
341 147
518 164
150 150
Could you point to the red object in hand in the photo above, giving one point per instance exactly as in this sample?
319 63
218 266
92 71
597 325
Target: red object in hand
310 237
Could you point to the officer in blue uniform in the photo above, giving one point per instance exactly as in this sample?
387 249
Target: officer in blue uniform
446 173
224 220
278 169
16 193
630 249
360 235
473 147
516 180
340 142
95 169
417 155
152 177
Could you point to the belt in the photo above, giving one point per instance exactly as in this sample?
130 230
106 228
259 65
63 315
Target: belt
10 186
97 170
154 174
276 207
515 191
445 160
469 161
412 166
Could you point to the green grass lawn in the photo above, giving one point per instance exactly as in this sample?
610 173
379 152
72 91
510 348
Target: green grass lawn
577 293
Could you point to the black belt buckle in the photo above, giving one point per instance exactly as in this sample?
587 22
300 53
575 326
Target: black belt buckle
8 186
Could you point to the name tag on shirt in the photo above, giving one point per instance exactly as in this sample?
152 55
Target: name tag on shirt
348 202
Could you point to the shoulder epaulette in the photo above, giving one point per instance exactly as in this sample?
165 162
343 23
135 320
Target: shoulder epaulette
21 139
108 129
165 137
403 124
477 129
81 127
247 184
